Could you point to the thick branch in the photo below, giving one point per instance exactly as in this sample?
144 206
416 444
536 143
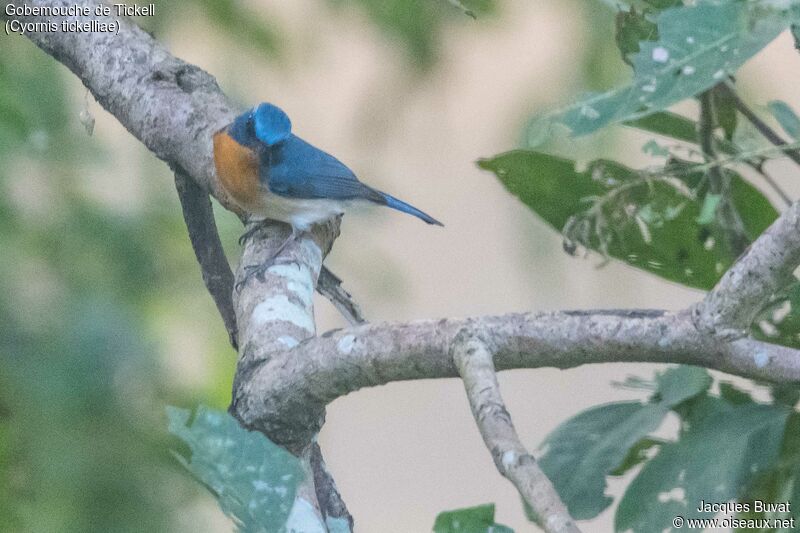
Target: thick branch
173 108
288 390
276 313
474 362
766 267
286 376
169 105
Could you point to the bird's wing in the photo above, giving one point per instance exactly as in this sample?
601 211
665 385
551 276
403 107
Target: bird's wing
296 169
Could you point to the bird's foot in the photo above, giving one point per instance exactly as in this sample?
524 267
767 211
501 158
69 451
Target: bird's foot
261 269
250 232
258 271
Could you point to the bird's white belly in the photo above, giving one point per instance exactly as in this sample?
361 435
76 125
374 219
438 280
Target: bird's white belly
302 213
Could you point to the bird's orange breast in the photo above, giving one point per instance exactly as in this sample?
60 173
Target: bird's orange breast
237 171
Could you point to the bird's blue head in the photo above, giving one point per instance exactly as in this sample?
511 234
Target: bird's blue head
264 124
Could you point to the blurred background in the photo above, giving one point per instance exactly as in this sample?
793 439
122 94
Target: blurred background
104 319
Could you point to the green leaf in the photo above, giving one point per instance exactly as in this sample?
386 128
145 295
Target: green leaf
795 29
662 4
709 210
654 149
632 27
677 127
694 468
636 455
659 233
779 321
755 209
733 395
253 479
669 125
785 393
790 455
725 111
678 384
699 45
786 117
781 483
479 519
582 451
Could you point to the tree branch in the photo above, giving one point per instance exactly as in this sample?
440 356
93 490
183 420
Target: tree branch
474 362
286 375
762 127
217 275
330 501
330 286
276 313
288 390
173 108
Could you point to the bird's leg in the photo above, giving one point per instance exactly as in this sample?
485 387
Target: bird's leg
249 233
259 270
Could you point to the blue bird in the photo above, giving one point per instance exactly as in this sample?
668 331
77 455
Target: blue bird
271 173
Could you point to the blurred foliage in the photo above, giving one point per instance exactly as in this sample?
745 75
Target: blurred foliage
685 218
650 221
759 457
417 24
698 46
234 20
786 117
253 479
85 289
633 27
781 482
582 451
479 519
690 470
82 443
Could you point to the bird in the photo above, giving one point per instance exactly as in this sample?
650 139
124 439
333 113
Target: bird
271 173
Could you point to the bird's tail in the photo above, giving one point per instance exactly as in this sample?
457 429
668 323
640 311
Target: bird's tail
400 205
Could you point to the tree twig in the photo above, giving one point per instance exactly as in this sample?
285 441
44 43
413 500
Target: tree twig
330 501
722 162
217 275
772 183
762 127
512 459
729 219
330 286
